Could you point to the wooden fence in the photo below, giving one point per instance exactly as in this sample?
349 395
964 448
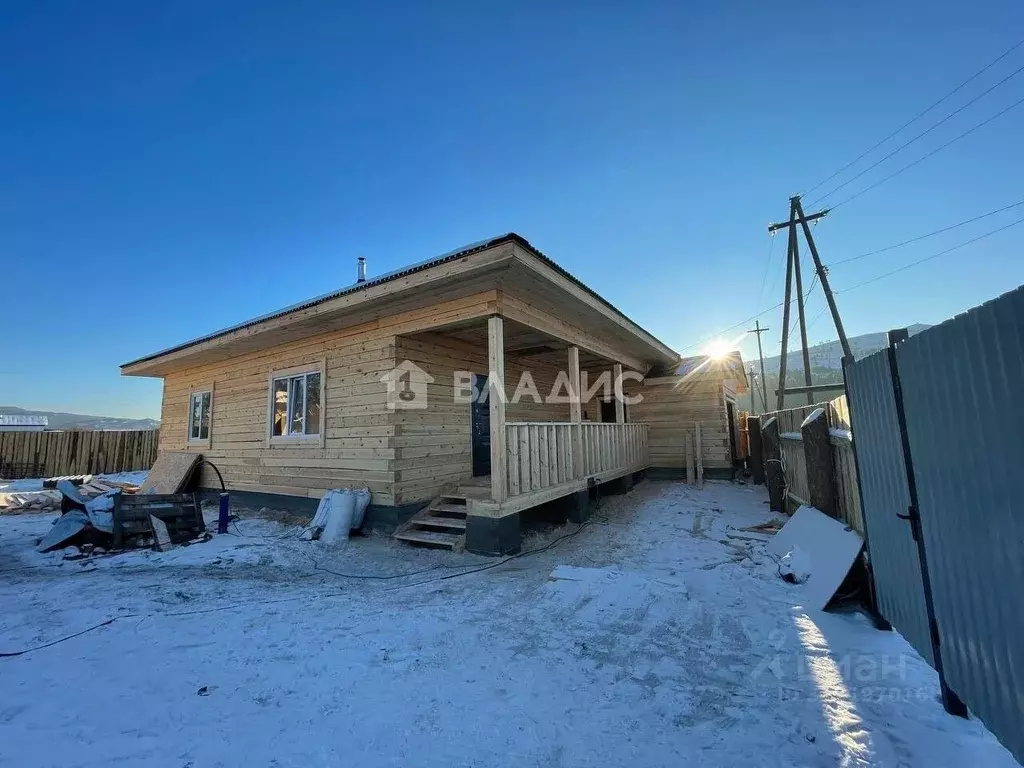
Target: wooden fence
78 452
800 466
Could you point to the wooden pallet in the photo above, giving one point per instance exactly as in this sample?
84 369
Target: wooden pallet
180 512
442 523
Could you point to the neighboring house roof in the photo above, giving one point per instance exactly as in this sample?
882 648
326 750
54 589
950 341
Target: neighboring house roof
728 367
466 250
22 420
732 362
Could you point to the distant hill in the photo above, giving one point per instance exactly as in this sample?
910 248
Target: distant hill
829 354
59 420
826 366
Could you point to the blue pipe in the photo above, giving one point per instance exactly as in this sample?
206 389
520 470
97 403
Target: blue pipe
222 520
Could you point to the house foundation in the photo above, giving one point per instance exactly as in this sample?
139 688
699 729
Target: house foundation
496 536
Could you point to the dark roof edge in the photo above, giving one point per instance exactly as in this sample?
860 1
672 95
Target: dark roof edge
520 240
509 237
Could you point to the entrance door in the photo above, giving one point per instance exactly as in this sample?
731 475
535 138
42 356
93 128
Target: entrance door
608 411
481 428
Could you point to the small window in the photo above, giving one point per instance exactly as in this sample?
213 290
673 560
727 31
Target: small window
199 416
295 405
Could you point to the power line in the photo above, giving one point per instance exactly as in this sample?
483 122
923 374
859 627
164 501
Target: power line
741 322
817 317
807 295
933 256
925 157
733 327
872 280
927 235
923 133
793 327
764 279
775 282
919 115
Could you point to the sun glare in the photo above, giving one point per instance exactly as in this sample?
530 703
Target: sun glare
718 349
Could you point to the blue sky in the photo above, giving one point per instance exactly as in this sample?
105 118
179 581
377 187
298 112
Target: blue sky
169 169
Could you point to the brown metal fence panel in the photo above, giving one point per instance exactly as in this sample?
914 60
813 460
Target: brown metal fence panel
50 454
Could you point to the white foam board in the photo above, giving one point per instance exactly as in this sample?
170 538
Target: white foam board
831 546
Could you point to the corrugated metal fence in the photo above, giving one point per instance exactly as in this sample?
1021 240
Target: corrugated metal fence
77 452
959 386
884 497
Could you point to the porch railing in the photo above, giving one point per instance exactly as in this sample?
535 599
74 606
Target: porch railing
542 454
607 447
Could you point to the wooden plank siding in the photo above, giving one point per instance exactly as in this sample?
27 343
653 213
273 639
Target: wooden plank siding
402 456
671 406
359 446
435 444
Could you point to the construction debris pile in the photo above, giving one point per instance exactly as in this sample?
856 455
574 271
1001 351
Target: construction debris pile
117 521
47 497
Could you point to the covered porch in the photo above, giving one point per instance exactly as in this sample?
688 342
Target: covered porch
542 419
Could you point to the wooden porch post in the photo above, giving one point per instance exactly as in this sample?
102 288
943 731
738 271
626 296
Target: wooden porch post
620 406
620 416
496 405
576 412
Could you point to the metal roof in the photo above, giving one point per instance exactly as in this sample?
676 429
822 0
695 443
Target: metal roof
23 420
466 250
730 363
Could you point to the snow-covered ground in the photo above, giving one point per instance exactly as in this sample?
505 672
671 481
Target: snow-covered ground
650 638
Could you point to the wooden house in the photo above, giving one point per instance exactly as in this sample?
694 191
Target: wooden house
696 390
373 386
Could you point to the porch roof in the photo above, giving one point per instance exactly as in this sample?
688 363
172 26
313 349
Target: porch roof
144 365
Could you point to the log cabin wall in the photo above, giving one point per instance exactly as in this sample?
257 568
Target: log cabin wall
434 445
671 406
358 445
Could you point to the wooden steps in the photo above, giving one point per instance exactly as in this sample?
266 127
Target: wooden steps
430 538
442 524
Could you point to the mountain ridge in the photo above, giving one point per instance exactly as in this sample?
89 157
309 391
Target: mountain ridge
829 354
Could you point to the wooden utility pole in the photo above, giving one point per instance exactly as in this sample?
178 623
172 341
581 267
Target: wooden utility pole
780 404
798 217
800 314
751 378
823 277
760 354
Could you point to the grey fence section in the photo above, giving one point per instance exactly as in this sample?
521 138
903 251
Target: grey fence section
963 383
885 495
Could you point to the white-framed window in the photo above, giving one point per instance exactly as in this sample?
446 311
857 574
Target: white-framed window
296 404
200 406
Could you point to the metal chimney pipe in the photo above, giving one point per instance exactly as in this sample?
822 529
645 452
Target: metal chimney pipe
361 270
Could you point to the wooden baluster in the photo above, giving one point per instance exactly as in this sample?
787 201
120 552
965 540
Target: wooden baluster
542 456
512 430
534 459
